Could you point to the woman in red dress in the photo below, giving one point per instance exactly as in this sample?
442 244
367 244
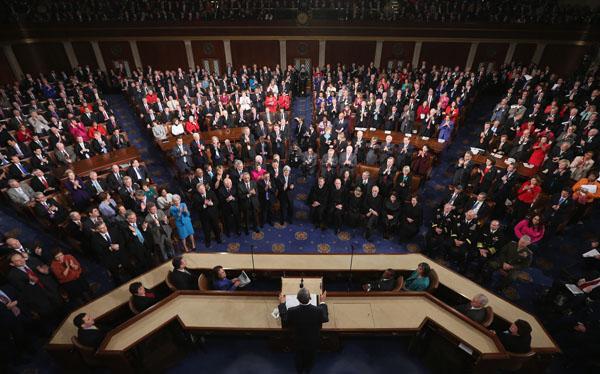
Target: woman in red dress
23 134
191 125
271 103
539 152
96 128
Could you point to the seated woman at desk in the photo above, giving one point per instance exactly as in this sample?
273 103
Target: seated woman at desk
220 281
419 279
141 298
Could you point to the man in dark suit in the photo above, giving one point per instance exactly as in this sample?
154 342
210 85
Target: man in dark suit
37 289
88 334
114 180
197 150
117 140
285 185
109 247
94 185
478 205
305 321
137 241
183 156
138 173
45 183
100 144
475 309
82 149
229 207
48 208
141 298
559 211
18 170
14 148
249 203
517 338
455 197
207 204
181 277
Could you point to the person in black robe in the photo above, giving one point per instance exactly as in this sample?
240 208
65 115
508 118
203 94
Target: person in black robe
337 205
355 207
373 207
317 200
412 217
391 209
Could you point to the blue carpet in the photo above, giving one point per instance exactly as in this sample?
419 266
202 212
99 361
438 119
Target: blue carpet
252 355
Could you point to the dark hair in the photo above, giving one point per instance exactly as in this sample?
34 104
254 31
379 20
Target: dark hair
78 320
426 268
176 262
530 220
134 287
303 296
523 327
56 251
215 272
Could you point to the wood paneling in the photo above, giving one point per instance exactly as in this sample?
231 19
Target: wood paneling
259 52
41 57
85 54
6 74
347 52
209 49
399 51
447 54
490 52
163 55
562 58
302 49
116 51
524 53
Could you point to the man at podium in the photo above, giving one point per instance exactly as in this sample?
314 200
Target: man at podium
305 321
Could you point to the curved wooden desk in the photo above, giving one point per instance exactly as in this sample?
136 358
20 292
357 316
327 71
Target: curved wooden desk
541 340
245 311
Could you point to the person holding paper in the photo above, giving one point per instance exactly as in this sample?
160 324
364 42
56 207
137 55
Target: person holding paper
220 282
585 192
305 321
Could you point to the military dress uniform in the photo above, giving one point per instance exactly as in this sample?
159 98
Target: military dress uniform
437 244
465 232
489 241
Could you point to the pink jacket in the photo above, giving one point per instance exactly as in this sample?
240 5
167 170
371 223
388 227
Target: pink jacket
522 228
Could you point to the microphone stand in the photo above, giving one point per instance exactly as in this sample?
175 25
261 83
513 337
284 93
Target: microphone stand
351 260
252 253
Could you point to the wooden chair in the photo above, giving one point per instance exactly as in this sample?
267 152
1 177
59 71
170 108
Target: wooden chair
88 354
399 284
434 281
203 283
517 360
132 307
168 282
489 316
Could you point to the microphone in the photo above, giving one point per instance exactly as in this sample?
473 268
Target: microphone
252 254
302 283
351 260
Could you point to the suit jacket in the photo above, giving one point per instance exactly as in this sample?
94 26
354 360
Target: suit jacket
93 190
15 173
37 185
305 321
515 343
141 303
18 198
477 315
83 154
141 170
62 158
91 337
118 142
483 209
10 151
184 281
97 148
248 201
113 182
183 162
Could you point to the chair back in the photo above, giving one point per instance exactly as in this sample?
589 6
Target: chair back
169 283
399 284
132 307
489 316
434 281
88 354
203 283
517 360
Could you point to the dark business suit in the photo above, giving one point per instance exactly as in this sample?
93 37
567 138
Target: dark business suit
477 315
90 337
184 280
305 321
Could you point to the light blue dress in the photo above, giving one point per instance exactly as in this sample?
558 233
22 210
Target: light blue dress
415 283
182 220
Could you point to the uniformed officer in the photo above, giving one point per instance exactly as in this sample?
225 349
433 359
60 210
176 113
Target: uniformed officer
438 238
489 240
463 236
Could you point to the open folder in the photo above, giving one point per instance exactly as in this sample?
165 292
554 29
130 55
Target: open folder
292 301
244 279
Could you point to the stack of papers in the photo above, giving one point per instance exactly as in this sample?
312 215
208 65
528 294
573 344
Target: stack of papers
244 279
592 253
574 289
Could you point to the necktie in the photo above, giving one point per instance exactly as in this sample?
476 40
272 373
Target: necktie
22 169
248 186
97 186
138 233
44 182
107 238
562 200
33 277
18 149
